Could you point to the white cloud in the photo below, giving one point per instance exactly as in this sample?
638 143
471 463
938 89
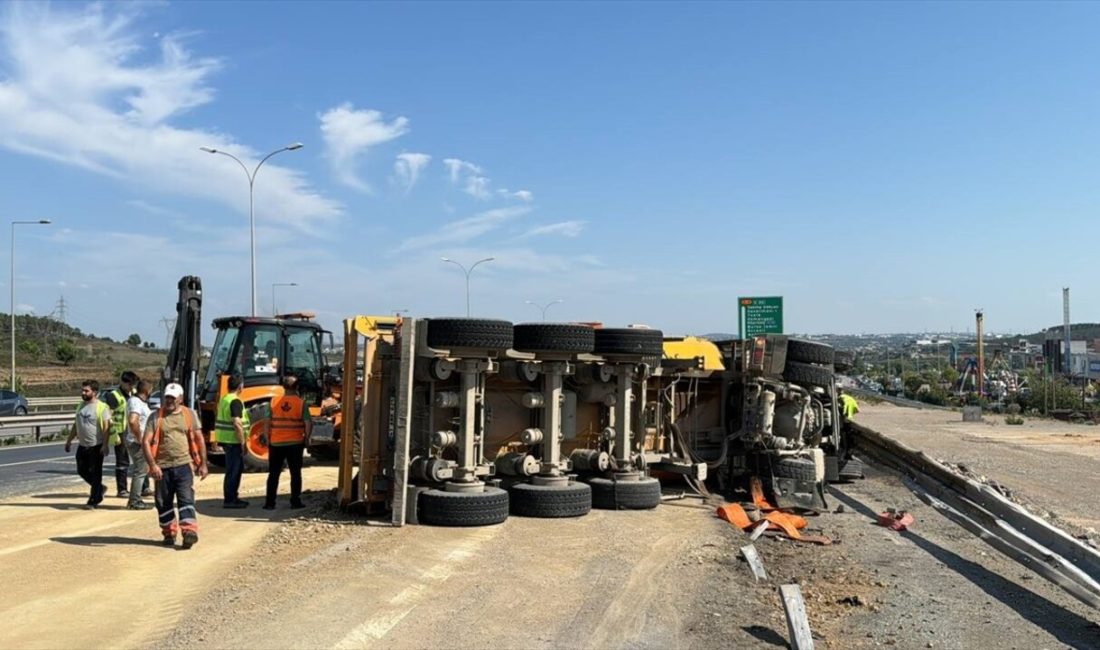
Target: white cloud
349 134
524 195
464 230
407 168
562 228
469 176
80 87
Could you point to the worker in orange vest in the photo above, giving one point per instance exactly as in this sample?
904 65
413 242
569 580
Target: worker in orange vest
287 440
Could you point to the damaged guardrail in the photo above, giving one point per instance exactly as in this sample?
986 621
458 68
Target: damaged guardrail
1030 540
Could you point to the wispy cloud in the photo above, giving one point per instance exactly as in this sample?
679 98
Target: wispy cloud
465 230
350 133
562 229
155 210
407 168
469 176
84 88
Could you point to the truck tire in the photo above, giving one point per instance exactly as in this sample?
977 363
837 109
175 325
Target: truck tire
442 508
477 333
637 342
808 375
643 494
550 501
554 337
805 351
800 469
843 360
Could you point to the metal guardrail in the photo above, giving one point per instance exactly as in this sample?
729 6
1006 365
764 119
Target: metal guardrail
38 404
13 427
1004 525
897 401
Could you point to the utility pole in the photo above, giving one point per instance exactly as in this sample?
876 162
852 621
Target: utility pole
979 319
169 326
1067 358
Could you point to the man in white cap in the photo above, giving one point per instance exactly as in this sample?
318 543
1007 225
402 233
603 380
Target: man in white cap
175 451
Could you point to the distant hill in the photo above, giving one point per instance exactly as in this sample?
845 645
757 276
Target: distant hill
52 358
1078 332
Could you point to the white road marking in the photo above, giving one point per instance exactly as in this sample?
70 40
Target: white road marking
43 542
40 460
409 598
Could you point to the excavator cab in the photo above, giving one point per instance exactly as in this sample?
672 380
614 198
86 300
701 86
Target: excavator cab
263 351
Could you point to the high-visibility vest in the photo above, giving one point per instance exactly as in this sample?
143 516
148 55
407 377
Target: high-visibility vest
224 431
287 425
100 407
192 448
118 418
848 406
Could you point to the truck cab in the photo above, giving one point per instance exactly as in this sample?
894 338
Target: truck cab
263 351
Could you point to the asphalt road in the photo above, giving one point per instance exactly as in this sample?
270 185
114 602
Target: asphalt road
34 469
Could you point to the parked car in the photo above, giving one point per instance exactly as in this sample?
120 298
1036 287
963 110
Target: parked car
12 403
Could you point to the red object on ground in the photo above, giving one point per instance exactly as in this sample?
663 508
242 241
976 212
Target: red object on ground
901 520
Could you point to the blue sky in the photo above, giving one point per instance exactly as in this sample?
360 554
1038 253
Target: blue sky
884 167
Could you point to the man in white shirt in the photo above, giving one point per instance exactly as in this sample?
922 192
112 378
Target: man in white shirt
138 409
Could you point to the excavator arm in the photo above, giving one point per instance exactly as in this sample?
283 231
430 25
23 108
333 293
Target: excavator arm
186 349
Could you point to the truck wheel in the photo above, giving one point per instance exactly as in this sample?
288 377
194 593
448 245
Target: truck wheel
441 508
809 352
843 360
479 333
643 494
800 469
808 375
637 342
554 337
550 501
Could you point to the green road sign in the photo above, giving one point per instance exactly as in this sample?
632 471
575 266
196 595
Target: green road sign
756 316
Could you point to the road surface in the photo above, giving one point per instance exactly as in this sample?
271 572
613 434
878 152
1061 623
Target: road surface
29 469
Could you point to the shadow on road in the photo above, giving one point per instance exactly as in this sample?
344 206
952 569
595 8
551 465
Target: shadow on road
1063 624
62 506
105 540
766 634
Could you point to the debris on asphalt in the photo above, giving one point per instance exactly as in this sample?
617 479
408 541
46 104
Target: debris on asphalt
895 519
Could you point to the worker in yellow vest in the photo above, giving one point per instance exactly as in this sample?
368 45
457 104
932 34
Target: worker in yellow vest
287 440
231 428
848 407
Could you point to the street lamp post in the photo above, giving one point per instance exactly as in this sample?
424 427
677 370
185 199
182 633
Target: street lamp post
544 307
40 222
278 284
251 204
468 272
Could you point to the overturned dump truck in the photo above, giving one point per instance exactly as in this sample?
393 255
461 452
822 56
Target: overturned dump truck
463 422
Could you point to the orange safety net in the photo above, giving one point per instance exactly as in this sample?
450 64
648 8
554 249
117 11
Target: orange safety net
783 522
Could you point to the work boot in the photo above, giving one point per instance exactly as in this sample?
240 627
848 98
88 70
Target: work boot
138 505
269 506
122 494
146 492
297 504
169 540
190 538
239 503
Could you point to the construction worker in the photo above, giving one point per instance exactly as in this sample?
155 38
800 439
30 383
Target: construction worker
92 430
231 432
175 451
116 401
848 407
289 435
137 410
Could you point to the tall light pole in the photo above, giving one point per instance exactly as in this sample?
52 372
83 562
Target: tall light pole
278 284
40 222
251 211
544 307
468 272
